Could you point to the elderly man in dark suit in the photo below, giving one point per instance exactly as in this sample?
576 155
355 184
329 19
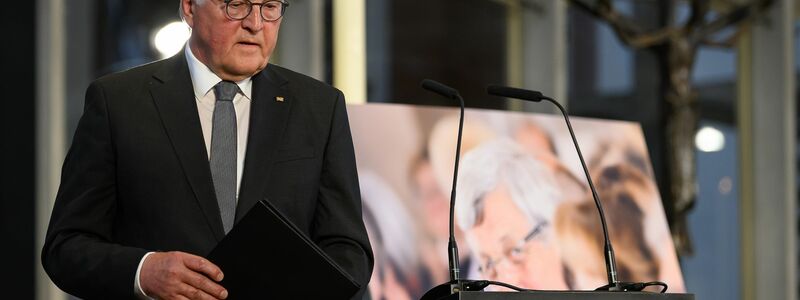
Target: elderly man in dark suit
168 156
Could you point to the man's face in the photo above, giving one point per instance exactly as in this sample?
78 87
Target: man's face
232 49
503 251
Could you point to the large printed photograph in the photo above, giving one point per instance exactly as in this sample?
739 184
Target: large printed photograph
524 215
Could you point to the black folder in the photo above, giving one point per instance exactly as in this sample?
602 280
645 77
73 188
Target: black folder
266 256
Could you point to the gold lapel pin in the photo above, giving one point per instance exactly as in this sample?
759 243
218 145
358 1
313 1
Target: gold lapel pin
279 99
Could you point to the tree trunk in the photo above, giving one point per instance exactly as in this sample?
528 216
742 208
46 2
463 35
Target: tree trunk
681 126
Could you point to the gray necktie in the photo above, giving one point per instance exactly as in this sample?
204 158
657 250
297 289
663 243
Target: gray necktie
223 151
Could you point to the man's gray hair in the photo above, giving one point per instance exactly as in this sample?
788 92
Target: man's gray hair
180 8
529 182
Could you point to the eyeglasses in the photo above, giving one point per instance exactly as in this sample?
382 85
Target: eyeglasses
240 9
516 255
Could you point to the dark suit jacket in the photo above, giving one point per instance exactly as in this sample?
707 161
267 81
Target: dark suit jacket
137 177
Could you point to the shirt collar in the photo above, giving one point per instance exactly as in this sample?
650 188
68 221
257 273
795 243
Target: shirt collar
203 79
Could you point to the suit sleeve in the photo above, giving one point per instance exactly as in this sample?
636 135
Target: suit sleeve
79 254
338 226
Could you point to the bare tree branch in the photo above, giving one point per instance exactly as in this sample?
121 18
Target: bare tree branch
727 42
743 13
699 10
625 29
654 38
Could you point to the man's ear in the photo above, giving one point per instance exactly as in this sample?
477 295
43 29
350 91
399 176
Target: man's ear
187 10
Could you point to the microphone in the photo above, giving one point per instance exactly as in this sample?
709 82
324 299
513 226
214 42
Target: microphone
611 266
515 93
442 89
456 284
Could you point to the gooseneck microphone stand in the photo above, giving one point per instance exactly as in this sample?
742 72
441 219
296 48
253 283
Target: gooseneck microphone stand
614 284
456 284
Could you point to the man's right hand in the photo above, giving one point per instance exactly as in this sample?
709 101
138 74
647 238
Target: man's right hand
179 275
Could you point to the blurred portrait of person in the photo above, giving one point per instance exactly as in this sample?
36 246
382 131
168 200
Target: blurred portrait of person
433 206
431 178
534 139
441 145
628 196
506 202
434 210
390 229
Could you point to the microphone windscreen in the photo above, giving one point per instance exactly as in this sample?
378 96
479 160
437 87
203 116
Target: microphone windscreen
439 88
509 92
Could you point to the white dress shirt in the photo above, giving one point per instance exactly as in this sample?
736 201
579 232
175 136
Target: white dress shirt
203 81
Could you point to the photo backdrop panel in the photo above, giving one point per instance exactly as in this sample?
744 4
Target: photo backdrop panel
525 215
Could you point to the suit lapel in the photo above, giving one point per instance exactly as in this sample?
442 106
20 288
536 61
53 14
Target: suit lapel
268 118
176 105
